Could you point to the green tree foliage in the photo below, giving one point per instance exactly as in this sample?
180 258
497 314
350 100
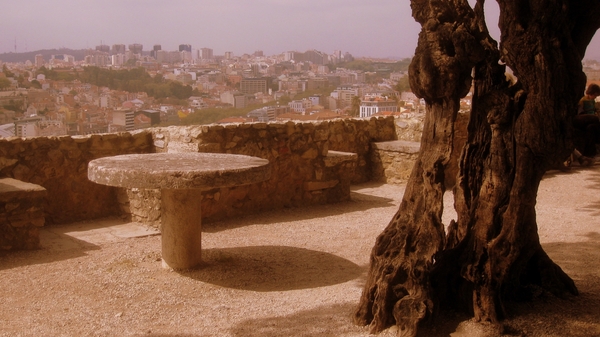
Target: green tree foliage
306 94
370 66
4 83
7 72
211 115
355 107
136 80
403 84
55 75
15 105
36 84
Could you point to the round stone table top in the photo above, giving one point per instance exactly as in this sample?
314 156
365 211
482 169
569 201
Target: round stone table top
178 170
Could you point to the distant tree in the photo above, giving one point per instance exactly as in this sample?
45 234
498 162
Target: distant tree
374 77
36 84
158 78
403 84
15 105
6 71
4 83
355 106
23 83
284 100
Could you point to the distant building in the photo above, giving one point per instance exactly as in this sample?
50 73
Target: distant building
155 49
206 53
26 127
315 99
377 104
164 56
254 85
103 48
260 115
312 56
316 57
317 83
47 128
343 96
123 118
186 56
237 99
39 60
118 49
117 59
269 113
97 58
7 130
397 76
300 105
197 102
136 48
61 59
185 47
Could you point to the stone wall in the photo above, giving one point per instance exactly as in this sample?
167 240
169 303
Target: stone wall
59 164
307 167
393 160
21 214
304 170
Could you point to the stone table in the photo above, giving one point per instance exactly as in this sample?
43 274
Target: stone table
181 177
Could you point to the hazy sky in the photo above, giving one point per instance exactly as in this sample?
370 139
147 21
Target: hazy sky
376 28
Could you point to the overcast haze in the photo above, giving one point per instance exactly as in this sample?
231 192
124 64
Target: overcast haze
376 28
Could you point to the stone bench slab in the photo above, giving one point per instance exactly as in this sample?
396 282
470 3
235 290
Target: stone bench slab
21 214
401 146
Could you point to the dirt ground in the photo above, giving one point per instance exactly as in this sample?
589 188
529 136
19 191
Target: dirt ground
294 272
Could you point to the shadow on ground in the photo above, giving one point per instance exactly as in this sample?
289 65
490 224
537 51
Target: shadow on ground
330 320
359 202
55 245
273 268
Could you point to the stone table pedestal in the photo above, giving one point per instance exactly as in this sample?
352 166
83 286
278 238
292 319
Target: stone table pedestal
181 177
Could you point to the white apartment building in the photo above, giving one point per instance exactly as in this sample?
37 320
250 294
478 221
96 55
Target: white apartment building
371 105
27 127
118 59
300 106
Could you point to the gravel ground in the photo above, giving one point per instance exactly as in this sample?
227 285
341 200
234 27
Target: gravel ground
294 272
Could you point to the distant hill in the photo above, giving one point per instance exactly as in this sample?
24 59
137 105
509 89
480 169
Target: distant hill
79 54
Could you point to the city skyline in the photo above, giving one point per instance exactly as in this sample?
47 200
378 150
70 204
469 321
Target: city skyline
381 29
274 26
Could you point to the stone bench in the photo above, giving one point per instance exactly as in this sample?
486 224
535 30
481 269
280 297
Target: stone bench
21 214
393 160
330 182
333 180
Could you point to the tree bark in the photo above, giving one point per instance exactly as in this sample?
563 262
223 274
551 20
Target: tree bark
516 132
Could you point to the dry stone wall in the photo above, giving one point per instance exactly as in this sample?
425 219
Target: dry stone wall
311 163
392 161
59 164
21 214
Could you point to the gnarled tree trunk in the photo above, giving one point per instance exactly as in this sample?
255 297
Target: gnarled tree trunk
516 132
